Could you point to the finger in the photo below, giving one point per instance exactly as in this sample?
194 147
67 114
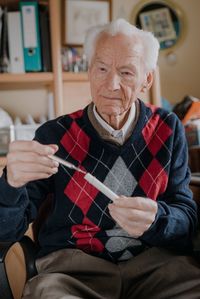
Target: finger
22 173
139 203
32 167
133 214
31 157
28 178
31 146
54 146
134 229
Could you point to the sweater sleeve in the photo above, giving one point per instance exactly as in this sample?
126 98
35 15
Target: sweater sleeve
19 206
176 219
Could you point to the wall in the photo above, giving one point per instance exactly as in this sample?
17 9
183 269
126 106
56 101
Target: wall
19 102
182 77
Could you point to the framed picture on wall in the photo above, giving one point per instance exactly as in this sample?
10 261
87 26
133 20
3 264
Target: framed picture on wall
166 21
80 15
159 22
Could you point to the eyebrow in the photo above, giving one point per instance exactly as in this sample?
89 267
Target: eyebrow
100 61
128 66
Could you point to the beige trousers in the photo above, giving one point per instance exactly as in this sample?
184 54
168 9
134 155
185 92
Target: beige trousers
154 274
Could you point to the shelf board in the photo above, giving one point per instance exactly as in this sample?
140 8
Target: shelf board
2 160
41 78
75 77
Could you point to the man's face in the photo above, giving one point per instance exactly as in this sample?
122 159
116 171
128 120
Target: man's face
116 74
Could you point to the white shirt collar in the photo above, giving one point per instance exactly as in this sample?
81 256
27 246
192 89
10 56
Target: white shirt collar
117 133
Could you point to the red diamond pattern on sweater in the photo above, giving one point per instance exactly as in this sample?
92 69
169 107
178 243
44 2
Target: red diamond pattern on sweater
152 107
90 244
154 180
76 114
76 142
156 133
84 233
80 192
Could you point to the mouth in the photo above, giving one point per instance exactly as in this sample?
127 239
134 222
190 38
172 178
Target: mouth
112 98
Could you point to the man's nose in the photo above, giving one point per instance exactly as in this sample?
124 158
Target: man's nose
113 81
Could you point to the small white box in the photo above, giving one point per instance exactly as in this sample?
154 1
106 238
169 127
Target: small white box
18 132
25 132
5 139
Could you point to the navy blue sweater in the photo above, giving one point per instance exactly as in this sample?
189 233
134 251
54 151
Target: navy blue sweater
152 163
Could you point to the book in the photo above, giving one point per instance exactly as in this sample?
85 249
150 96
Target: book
4 54
15 43
45 38
1 14
31 35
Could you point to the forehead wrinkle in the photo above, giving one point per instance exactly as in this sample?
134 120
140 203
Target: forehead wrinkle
100 60
118 50
134 42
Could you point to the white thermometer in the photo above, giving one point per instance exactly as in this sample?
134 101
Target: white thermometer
89 178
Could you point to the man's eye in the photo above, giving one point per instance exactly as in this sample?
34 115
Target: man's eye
102 69
126 74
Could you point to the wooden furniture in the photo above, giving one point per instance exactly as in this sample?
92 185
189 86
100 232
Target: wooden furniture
194 163
2 164
194 158
63 85
195 187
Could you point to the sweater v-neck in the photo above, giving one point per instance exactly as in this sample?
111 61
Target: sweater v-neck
135 137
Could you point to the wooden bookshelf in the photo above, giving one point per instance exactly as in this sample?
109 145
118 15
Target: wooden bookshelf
39 78
75 77
2 160
2 164
52 80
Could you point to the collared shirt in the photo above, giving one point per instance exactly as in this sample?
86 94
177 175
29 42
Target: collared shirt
118 134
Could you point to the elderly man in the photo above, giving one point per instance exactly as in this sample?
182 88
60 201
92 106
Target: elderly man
91 247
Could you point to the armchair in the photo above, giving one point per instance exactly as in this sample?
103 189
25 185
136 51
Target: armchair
23 253
30 248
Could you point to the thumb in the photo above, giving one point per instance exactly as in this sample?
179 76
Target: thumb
54 147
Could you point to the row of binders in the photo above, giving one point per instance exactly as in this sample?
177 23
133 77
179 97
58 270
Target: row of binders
25 38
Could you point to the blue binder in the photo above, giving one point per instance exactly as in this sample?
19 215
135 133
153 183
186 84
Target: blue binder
31 36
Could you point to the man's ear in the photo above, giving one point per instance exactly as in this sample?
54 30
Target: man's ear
148 81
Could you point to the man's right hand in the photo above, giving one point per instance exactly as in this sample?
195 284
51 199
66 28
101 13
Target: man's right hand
28 161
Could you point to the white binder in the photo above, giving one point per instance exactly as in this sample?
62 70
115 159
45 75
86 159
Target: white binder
15 43
1 13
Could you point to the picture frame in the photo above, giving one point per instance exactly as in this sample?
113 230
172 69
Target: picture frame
159 21
80 15
165 20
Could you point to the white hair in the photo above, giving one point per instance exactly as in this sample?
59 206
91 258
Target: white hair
148 41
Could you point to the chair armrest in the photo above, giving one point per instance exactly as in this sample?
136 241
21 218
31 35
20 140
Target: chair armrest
6 292
30 251
195 187
196 245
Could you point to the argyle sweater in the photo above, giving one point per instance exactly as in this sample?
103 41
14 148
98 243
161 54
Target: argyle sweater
151 163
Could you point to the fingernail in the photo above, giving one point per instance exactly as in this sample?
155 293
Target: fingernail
50 150
55 163
55 170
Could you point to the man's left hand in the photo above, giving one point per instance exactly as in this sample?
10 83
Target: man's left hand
134 214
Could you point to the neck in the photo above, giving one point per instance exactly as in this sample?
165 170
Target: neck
116 121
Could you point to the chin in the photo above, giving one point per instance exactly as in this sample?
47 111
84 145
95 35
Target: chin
112 112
